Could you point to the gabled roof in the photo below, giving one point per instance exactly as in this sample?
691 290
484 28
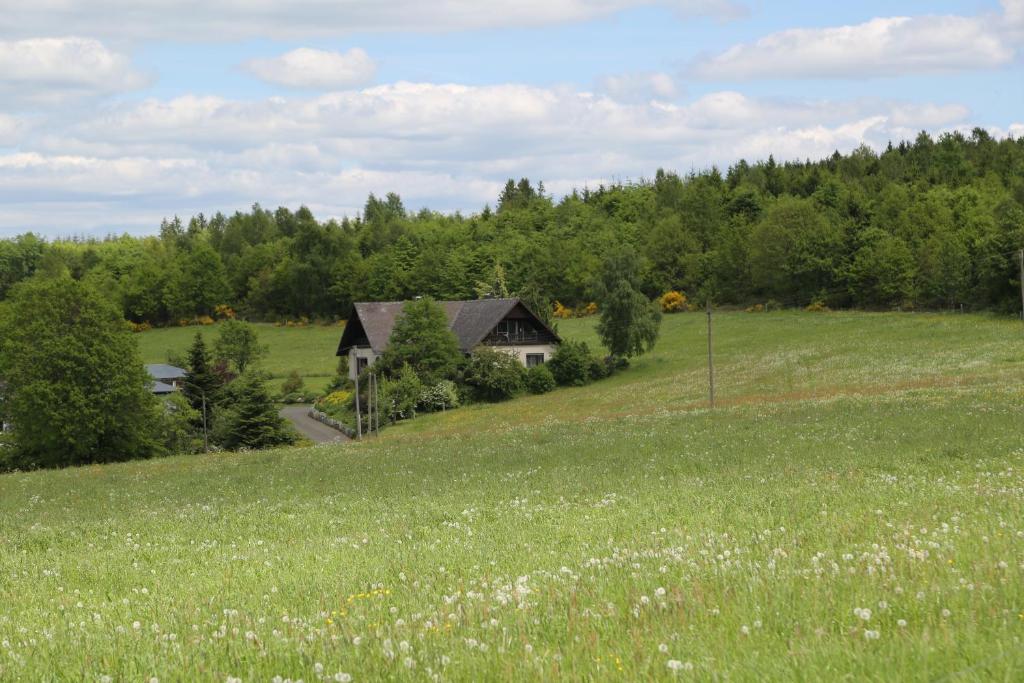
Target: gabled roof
164 371
470 321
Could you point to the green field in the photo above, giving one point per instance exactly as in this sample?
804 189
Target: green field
853 509
307 350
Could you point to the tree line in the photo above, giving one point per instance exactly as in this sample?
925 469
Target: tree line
931 223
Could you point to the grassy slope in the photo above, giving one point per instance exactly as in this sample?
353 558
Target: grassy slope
858 461
310 350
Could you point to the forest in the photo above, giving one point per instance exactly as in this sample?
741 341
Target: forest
930 224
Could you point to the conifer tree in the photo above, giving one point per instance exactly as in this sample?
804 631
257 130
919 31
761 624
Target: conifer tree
201 380
250 419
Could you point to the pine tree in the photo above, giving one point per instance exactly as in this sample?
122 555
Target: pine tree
201 382
250 419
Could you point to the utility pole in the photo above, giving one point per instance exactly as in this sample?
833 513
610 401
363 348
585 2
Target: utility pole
369 404
359 416
1021 255
206 438
711 362
376 402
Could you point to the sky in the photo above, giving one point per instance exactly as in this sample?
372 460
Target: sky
115 114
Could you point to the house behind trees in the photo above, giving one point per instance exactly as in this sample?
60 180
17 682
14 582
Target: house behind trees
505 324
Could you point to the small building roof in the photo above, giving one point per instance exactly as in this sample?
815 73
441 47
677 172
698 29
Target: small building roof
161 388
164 371
470 321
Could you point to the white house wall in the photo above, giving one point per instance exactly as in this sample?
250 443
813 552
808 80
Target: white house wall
519 352
356 353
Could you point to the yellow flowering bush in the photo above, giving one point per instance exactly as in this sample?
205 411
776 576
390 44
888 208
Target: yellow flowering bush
337 398
672 302
224 312
561 311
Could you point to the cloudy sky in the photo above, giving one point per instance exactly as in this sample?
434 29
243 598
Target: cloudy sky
117 113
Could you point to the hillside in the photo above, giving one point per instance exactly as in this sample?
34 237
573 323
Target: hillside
307 350
852 508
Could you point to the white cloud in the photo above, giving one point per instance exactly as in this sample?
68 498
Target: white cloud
52 70
317 69
444 146
881 47
639 87
131 20
11 129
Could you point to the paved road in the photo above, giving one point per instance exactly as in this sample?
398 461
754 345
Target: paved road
313 430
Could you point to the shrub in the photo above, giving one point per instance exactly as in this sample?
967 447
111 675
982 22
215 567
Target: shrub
399 396
672 302
441 396
224 312
539 380
494 375
598 368
588 310
293 384
570 364
337 398
817 306
561 311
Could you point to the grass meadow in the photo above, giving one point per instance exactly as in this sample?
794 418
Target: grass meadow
308 350
853 509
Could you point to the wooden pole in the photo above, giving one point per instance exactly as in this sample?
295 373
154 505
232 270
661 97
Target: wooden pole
376 398
375 421
369 404
711 362
1021 255
359 417
206 437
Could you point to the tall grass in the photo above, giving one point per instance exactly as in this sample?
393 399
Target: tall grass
855 509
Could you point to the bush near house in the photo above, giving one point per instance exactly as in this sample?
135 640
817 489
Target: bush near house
539 380
493 375
570 364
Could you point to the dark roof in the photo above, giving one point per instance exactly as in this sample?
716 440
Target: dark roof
164 371
471 321
161 388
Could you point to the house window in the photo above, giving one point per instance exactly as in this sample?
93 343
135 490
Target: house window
534 359
361 363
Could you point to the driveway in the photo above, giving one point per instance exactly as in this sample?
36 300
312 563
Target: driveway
312 429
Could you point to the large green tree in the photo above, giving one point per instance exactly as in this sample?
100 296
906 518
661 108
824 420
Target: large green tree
238 345
422 340
629 321
76 391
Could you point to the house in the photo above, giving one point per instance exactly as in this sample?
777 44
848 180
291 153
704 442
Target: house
166 378
506 324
